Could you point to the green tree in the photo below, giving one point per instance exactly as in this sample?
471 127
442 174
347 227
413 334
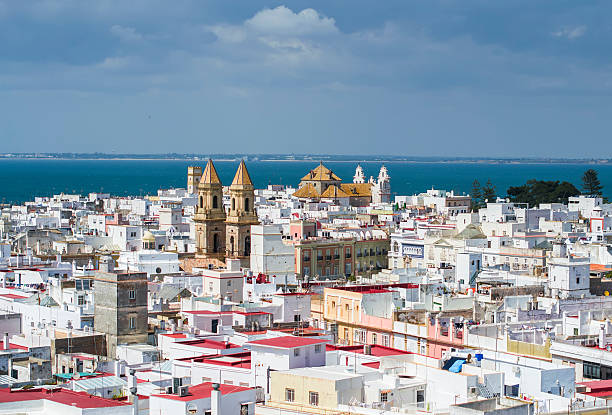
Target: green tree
488 192
590 183
535 192
476 195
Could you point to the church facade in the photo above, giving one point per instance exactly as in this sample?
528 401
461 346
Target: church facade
224 234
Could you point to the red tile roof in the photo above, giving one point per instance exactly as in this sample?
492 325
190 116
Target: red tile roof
203 391
175 335
13 296
287 342
376 350
12 346
208 344
63 396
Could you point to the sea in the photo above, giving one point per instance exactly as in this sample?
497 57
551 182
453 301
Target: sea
23 179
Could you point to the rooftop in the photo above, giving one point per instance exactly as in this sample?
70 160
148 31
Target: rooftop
203 391
287 342
63 396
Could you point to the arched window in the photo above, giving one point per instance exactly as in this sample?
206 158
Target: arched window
216 243
246 204
247 246
215 202
201 201
233 204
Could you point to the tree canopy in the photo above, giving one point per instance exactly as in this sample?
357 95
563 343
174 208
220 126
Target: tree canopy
535 192
590 183
488 193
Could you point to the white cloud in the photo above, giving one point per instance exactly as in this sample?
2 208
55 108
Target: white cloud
571 32
126 34
228 33
283 21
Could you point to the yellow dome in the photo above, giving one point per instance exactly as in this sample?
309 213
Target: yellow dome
148 237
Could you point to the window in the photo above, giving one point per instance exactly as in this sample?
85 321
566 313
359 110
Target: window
346 307
132 322
246 204
289 395
244 384
385 340
373 338
80 300
210 286
384 396
233 204
318 348
575 332
132 294
313 398
228 382
296 352
215 202
577 280
229 283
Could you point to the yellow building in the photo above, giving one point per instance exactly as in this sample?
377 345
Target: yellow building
313 387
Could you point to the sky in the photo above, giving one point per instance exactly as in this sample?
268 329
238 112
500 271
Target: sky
443 78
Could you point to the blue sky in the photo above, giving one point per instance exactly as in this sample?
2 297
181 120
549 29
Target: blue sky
423 78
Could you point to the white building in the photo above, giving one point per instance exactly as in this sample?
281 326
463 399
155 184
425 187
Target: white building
270 255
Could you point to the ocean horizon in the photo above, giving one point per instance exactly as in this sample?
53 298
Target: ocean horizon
22 180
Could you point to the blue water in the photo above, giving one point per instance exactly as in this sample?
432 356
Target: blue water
22 179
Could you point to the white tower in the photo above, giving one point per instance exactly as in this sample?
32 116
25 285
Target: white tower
384 185
359 177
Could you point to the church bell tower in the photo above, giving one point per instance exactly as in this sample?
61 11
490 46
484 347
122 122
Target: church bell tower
241 216
210 215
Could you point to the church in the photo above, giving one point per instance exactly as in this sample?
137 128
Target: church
322 184
222 234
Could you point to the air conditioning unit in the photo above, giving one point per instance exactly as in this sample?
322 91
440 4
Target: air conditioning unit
183 391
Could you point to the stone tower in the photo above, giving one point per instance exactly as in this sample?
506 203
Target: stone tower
241 216
193 178
210 215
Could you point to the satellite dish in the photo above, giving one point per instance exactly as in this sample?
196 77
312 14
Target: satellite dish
191 408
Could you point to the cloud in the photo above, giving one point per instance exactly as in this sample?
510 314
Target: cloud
283 21
126 34
571 32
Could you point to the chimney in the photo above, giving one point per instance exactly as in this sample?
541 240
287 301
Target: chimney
131 380
215 399
107 264
6 343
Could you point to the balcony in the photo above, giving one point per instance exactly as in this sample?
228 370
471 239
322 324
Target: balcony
347 256
319 258
306 259
328 257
